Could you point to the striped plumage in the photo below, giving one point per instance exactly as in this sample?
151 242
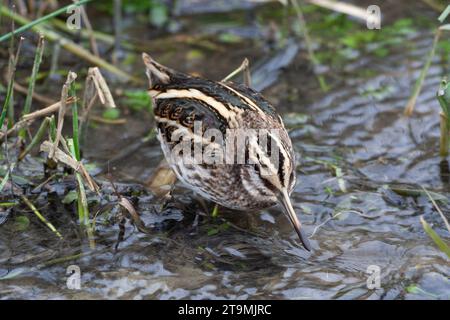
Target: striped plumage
181 101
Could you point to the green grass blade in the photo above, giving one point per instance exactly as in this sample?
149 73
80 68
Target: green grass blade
9 91
6 103
52 132
70 46
4 181
38 137
42 19
435 237
419 82
83 209
40 216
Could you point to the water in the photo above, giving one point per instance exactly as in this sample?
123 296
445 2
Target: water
356 219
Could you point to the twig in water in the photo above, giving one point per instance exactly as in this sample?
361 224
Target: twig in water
337 215
126 204
40 216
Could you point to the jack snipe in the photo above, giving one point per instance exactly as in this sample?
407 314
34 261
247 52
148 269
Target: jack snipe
265 177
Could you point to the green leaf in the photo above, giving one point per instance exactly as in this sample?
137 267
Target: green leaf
403 23
138 100
215 211
212 232
229 38
415 289
412 289
7 204
194 54
21 180
224 226
159 15
70 197
435 237
381 52
111 114
21 223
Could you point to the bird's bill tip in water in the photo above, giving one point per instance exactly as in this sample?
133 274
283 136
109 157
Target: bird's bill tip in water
286 202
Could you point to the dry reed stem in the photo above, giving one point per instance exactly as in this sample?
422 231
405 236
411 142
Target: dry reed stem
342 7
67 159
87 22
62 111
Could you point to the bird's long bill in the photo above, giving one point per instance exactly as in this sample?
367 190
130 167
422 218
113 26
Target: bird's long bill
286 202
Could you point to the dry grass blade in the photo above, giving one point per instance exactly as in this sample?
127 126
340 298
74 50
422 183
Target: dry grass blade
28 119
47 110
342 7
103 91
126 204
95 87
244 67
68 160
62 111
87 23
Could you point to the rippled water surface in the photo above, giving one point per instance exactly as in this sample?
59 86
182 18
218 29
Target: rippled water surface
356 153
